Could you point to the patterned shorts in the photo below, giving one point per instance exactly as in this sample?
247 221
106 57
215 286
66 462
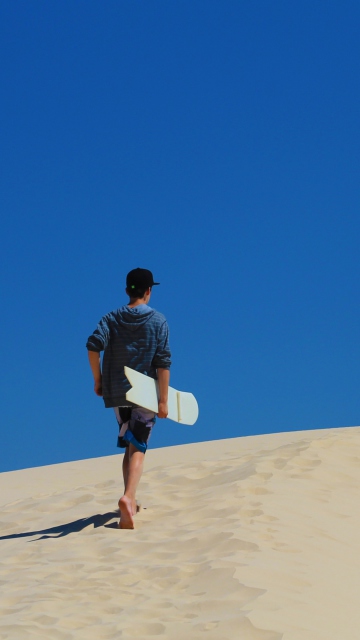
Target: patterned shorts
135 425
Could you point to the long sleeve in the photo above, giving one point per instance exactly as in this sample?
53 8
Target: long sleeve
162 357
100 338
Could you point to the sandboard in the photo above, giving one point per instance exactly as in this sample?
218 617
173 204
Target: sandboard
182 405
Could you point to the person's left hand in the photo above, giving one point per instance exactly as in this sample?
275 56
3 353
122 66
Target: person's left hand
98 387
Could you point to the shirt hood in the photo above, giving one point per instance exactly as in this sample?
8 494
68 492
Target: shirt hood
134 317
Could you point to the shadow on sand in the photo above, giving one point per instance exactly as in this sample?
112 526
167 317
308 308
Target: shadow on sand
98 520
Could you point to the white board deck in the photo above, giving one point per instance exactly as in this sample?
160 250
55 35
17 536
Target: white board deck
182 405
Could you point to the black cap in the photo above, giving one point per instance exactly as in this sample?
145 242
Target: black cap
140 279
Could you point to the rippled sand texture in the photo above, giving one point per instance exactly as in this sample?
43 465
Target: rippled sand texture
243 539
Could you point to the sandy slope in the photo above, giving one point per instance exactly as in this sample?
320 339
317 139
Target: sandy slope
249 538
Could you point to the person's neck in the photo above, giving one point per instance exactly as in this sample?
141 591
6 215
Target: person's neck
137 302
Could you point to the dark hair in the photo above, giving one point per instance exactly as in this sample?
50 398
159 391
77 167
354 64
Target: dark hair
136 293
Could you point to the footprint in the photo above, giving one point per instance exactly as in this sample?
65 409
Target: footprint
150 629
103 485
87 497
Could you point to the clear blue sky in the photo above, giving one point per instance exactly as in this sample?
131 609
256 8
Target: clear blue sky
215 143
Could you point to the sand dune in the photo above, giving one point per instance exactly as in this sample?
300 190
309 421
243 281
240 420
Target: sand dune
249 538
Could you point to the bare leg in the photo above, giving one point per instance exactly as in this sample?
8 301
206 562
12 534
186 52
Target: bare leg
125 466
125 469
127 504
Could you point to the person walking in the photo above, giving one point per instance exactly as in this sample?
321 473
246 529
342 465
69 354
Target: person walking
136 336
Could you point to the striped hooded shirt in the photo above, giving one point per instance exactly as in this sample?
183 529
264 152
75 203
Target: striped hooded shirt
137 337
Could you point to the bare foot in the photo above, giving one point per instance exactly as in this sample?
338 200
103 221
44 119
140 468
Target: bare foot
136 507
126 513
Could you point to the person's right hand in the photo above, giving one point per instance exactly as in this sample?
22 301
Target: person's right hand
163 410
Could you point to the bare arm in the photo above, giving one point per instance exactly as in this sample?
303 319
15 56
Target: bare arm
94 360
163 382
